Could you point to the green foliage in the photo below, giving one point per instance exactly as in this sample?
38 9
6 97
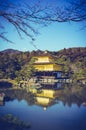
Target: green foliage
26 71
74 60
13 122
11 63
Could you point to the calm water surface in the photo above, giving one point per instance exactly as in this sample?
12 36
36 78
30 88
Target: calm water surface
49 109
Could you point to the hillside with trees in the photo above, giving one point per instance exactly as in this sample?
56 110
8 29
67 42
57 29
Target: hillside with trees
74 60
19 65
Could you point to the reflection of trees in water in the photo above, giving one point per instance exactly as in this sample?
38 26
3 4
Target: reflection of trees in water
68 95
73 95
20 95
5 84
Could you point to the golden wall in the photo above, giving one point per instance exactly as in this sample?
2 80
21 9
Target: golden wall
48 67
46 93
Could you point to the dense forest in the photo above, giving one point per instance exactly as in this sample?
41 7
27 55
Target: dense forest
18 65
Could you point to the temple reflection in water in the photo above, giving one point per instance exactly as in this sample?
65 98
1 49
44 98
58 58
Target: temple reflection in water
45 98
48 95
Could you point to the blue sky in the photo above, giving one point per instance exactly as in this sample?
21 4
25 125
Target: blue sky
54 37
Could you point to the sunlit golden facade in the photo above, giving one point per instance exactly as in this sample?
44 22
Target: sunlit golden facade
46 93
46 63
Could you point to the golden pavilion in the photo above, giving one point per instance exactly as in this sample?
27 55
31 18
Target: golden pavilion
45 65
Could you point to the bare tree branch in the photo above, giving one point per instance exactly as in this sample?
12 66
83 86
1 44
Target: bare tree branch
20 18
2 36
25 18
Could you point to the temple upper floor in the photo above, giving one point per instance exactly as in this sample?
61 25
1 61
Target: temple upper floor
44 59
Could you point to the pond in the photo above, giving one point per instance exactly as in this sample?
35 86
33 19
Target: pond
48 108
